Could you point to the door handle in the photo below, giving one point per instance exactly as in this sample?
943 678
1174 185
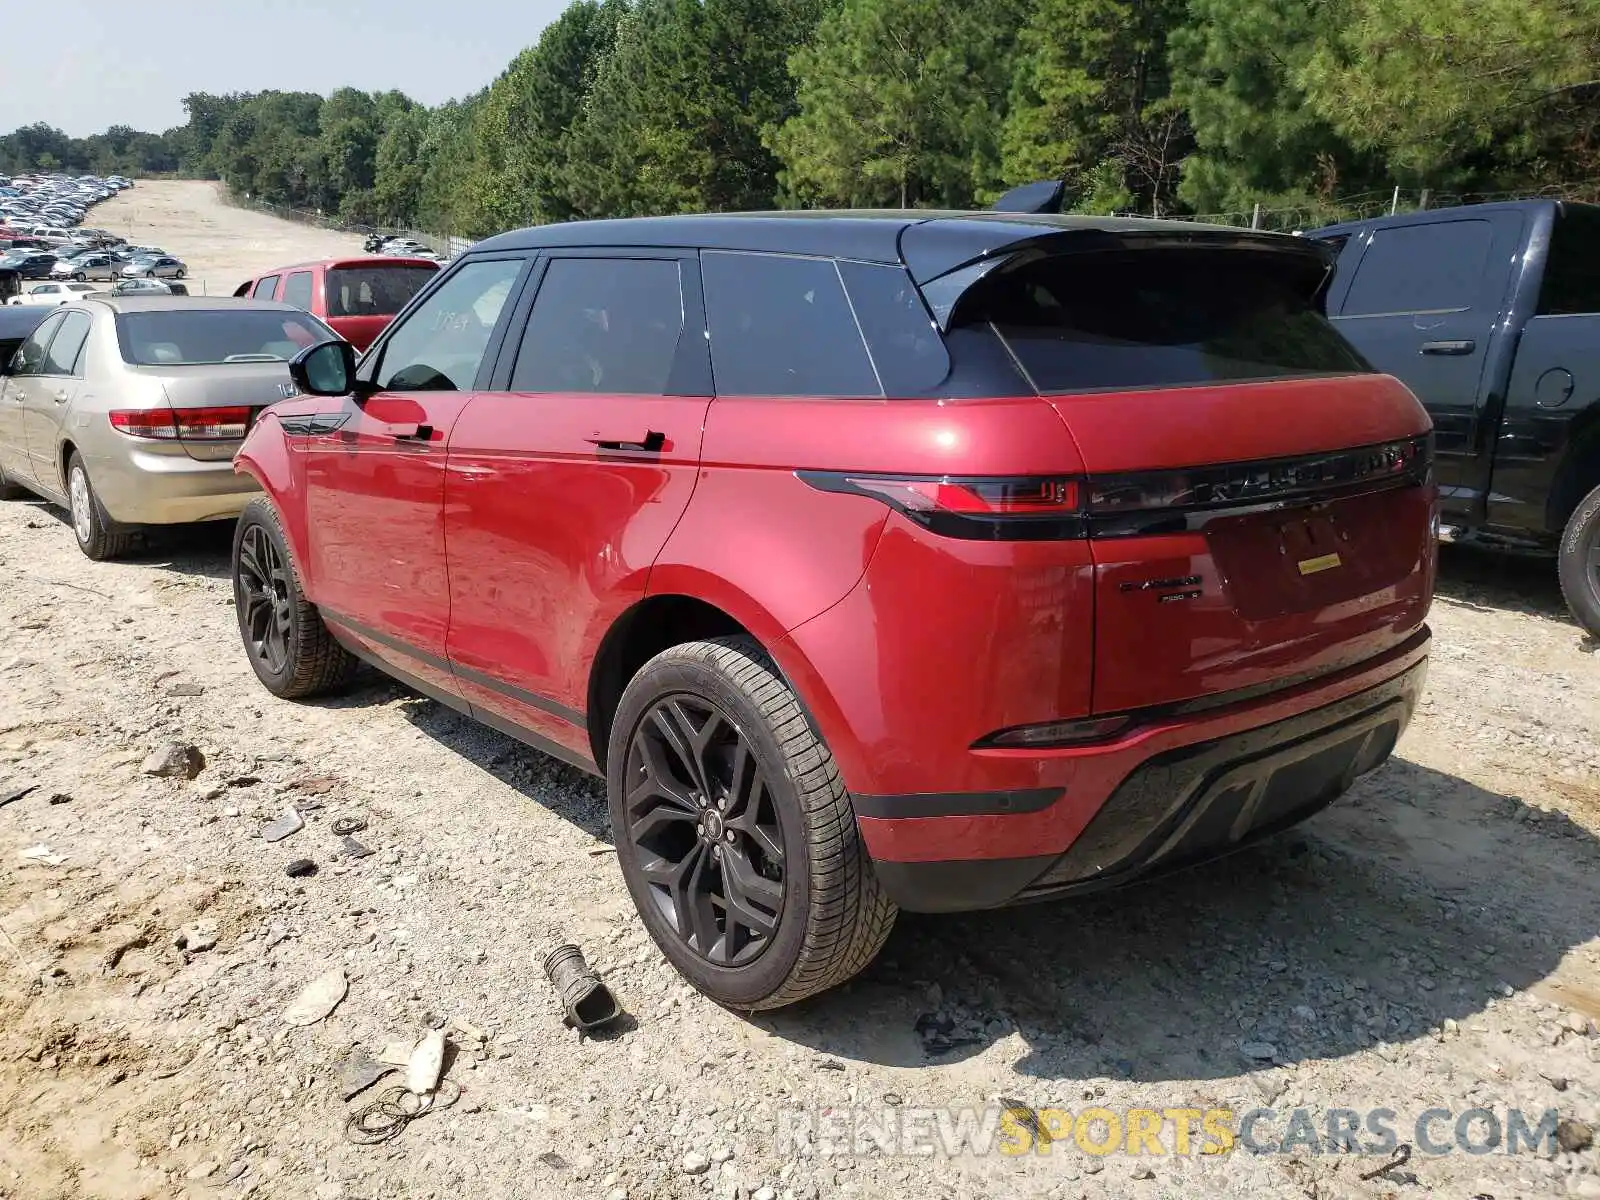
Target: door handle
1464 346
61 396
408 433
652 443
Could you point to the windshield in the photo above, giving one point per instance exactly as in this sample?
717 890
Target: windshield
189 337
374 291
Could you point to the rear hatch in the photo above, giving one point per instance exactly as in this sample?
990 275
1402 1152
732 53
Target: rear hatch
217 366
1259 501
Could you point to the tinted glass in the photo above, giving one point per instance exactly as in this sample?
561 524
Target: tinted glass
1159 318
1421 268
602 325
65 347
377 291
30 355
782 326
905 345
266 288
1572 274
440 345
185 337
297 290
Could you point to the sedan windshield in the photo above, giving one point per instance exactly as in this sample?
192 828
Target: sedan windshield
188 337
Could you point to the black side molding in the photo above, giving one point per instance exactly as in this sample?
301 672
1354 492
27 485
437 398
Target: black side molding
957 804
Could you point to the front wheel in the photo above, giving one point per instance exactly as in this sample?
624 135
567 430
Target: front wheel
1579 563
149 274
736 836
79 276
288 645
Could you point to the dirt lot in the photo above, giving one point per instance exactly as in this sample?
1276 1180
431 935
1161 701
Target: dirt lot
1431 942
222 245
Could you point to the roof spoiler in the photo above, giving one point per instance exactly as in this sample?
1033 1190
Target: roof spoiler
1042 197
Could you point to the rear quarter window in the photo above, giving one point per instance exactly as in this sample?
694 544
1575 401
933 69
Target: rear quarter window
1160 318
1572 274
783 326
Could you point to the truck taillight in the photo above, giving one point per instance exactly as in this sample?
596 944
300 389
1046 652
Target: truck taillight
183 424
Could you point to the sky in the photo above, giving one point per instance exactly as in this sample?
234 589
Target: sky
131 62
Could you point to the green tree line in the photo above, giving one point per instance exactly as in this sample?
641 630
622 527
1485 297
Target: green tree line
628 107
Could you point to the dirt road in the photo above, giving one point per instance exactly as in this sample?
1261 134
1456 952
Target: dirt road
221 244
1433 942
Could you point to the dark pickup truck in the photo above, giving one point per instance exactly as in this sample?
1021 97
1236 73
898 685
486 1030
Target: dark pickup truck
1491 314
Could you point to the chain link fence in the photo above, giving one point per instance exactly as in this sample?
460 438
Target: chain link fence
446 245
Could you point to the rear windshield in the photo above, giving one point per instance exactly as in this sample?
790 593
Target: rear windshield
185 337
375 291
1572 276
1161 318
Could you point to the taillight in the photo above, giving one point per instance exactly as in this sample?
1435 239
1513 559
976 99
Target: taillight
1000 509
183 424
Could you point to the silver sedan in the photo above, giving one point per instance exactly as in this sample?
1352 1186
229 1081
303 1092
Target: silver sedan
160 266
128 410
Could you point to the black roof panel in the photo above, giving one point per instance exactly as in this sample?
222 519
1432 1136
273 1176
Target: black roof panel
871 235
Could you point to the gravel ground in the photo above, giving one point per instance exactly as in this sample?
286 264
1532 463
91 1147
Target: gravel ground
1433 941
221 245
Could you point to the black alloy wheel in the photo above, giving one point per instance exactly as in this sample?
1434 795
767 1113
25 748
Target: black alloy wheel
1578 563
267 613
705 831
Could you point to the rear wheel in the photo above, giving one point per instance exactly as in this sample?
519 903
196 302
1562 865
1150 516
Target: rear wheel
98 536
179 275
1580 563
736 836
288 645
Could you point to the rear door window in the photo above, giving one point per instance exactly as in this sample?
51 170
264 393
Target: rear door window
1572 273
1160 318
31 354
603 325
1440 267
783 326
67 345
297 290
266 288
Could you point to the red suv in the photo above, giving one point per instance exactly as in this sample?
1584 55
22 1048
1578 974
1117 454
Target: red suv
356 296
873 560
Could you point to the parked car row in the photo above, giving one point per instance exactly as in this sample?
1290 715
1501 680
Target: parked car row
873 560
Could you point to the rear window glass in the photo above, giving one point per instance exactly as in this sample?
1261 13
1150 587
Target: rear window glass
376 291
781 326
179 337
1147 319
1572 275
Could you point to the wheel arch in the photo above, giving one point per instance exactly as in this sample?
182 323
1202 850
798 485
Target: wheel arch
663 619
265 458
1579 471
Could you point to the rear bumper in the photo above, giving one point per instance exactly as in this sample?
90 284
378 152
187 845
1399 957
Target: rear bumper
139 487
1203 789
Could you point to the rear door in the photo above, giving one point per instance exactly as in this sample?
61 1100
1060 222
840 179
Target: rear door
51 393
1423 304
568 475
20 384
1257 500
375 471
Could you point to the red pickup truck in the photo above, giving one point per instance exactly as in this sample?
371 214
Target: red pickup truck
356 296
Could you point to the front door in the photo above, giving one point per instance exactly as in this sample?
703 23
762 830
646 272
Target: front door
567 477
20 384
51 392
375 472
1423 305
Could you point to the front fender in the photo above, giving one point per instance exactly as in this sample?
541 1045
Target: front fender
267 458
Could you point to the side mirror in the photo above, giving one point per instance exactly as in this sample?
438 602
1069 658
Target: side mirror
326 369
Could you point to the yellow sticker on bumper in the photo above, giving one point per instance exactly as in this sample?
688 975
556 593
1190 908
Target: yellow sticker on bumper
1323 562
